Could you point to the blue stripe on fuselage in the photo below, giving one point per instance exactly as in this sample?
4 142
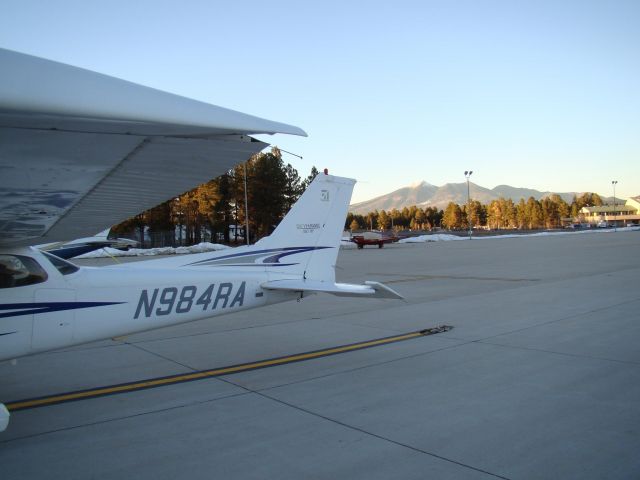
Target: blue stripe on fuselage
47 307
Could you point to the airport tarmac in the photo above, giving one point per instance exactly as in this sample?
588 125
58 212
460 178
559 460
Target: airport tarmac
539 378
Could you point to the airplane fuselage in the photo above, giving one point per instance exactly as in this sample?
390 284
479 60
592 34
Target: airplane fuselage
90 303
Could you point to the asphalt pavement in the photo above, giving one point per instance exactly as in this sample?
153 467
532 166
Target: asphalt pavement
539 377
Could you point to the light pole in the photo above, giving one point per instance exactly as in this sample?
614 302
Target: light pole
467 174
615 225
246 205
246 196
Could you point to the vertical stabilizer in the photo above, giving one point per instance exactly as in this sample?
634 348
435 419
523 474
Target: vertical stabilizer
307 241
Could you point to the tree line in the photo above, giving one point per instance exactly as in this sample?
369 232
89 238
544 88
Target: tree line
215 210
530 214
409 218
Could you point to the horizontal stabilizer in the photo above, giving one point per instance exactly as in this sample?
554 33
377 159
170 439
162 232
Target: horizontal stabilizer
369 289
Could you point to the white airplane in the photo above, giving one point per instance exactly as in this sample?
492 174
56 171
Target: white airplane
80 151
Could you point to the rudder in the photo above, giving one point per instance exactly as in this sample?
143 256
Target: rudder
309 236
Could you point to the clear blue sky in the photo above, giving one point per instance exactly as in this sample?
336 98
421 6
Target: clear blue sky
540 94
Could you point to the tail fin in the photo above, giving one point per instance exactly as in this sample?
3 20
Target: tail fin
308 238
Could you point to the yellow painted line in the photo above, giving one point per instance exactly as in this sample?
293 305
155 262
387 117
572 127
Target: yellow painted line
157 382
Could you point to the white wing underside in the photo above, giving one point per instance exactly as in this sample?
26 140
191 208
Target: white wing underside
81 151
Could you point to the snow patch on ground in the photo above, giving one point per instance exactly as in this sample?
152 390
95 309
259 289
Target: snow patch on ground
436 237
137 252
443 237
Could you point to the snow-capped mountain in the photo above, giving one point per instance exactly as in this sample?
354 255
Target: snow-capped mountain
424 195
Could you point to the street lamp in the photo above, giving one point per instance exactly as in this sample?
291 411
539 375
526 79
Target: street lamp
615 225
467 174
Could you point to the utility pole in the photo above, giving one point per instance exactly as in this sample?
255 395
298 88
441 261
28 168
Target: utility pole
467 174
615 224
246 205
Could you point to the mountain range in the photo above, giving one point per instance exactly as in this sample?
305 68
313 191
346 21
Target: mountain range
426 195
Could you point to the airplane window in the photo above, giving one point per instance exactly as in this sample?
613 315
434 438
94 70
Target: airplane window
64 267
18 271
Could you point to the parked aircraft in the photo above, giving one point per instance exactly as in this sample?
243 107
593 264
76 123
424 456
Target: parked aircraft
84 151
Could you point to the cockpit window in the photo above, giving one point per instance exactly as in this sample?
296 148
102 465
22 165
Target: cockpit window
64 267
19 271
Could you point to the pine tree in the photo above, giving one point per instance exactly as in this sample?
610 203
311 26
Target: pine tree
533 213
266 200
396 219
371 220
563 208
452 218
477 213
419 218
294 186
383 220
309 179
160 222
521 214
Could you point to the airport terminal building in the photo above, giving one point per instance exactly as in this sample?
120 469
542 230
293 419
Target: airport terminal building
618 215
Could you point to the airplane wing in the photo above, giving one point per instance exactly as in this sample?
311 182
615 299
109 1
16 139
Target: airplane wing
81 151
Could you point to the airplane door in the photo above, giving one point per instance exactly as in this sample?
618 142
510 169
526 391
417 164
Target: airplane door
53 329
